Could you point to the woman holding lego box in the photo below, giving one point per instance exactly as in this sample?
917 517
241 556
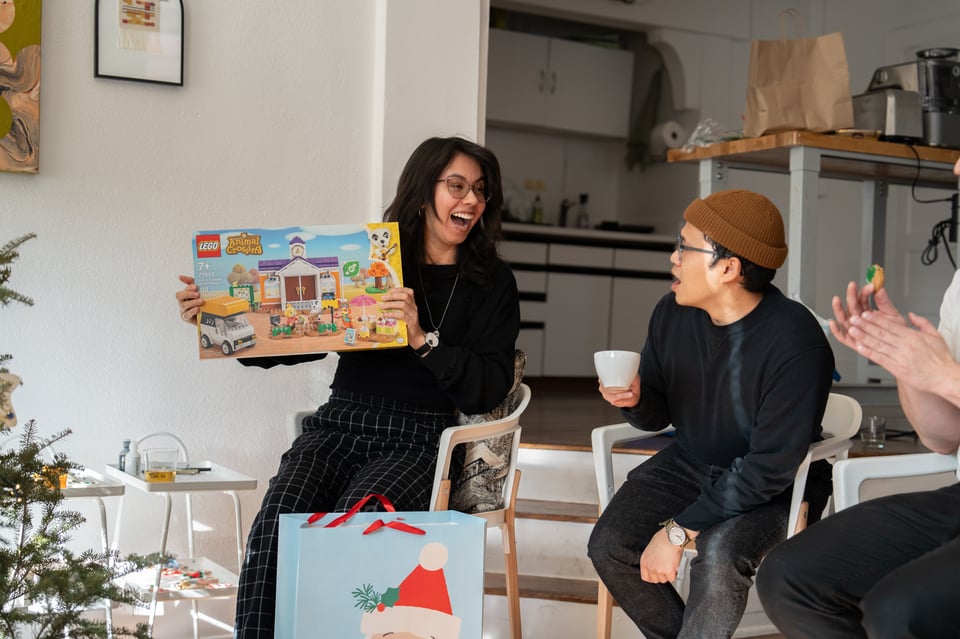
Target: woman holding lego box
379 430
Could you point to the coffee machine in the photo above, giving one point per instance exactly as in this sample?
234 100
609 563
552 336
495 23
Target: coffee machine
916 102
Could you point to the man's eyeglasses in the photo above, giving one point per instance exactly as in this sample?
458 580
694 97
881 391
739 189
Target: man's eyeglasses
681 247
458 188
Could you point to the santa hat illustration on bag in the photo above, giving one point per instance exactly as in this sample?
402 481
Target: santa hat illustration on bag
420 605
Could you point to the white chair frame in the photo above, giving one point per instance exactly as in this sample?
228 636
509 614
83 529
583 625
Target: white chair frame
841 421
849 474
502 518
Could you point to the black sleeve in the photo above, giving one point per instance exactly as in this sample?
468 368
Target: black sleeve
285 360
477 375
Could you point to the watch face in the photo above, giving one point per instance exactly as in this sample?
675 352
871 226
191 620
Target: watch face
676 535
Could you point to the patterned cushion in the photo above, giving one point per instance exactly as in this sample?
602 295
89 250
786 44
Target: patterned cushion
483 465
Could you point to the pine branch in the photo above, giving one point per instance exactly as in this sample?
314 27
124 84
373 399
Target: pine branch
8 255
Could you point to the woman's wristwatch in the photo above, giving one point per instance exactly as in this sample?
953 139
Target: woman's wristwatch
424 350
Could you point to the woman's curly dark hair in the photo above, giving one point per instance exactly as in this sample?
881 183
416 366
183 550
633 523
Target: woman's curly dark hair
415 188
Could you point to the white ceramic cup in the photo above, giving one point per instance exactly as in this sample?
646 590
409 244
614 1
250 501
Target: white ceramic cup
616 369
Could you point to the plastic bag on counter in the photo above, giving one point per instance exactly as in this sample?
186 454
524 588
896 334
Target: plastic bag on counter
709 131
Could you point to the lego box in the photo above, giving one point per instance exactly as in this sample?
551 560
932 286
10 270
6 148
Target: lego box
300 289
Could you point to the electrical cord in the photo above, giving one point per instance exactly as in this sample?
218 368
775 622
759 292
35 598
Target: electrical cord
941 229
916 178
939 234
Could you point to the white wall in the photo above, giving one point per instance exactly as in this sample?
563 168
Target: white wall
303 112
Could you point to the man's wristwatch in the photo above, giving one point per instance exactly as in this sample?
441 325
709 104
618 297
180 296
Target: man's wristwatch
676 534
424 350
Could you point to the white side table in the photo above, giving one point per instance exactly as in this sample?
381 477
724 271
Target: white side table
89 484
217 479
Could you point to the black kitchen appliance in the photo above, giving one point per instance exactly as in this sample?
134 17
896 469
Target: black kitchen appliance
915 101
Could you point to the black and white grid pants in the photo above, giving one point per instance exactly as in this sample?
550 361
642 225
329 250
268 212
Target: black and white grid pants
354 445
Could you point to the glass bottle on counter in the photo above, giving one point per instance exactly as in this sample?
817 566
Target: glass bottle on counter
564 210
122 457
537 217
583 218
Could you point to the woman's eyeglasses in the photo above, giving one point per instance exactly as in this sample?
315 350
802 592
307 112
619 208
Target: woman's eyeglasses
458 188
681 247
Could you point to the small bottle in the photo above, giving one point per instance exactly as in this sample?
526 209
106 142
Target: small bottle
583 218
132 463
537 216
564 210
122 458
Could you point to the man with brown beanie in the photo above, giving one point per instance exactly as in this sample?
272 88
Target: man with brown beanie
743 374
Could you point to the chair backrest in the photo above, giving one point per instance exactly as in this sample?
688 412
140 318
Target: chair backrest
450 438
295 424
456 435
842 417
841 421
603 439
849 474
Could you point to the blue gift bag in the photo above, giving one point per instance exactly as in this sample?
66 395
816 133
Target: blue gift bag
359 575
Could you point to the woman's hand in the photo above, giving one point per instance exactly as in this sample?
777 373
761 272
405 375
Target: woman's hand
189 300
399 304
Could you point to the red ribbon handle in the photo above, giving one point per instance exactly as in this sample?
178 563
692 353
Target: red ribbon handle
376 525
387 505
396 524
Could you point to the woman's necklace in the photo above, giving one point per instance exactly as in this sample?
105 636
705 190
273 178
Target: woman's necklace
433 337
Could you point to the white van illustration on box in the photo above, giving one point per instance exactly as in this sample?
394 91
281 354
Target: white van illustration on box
223 322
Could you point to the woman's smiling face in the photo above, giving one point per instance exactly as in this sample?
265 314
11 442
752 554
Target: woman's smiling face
450 219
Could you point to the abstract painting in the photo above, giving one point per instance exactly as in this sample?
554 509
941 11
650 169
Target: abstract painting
20 85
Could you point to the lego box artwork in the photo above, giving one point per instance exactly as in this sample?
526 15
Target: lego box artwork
301 289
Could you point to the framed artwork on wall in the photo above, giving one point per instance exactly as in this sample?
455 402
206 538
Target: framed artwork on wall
20 86
139 40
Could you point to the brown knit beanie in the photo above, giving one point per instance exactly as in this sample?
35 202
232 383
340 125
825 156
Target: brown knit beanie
744 222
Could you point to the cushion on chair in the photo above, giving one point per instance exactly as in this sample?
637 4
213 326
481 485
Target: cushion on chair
478 483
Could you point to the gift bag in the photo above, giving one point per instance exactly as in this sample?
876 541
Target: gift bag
800 84
359 575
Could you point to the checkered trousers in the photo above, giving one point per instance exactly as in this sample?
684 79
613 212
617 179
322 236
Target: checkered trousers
354 445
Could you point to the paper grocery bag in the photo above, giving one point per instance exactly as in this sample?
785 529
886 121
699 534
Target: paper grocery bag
365 574
799 84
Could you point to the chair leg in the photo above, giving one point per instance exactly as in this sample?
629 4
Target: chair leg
510 563
604 611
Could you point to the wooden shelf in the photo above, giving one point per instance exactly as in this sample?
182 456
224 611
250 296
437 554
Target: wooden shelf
890 162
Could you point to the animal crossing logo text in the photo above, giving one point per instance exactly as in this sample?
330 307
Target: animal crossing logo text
244 243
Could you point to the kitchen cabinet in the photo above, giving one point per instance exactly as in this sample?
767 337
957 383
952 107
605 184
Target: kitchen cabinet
582 291
552 83
578 308
634 298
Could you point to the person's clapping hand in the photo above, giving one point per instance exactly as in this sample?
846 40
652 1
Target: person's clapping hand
916 355
858 302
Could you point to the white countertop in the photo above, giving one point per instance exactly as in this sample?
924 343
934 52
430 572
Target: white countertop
548 231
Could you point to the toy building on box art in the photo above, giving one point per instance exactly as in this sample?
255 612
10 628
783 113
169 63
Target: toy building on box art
302 289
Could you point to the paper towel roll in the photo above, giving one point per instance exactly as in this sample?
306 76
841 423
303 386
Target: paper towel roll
666 135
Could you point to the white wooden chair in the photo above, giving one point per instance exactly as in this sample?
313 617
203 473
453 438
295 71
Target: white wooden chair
502 517
849 474
841 421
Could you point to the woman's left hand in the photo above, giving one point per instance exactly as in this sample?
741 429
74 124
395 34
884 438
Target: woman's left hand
399 303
